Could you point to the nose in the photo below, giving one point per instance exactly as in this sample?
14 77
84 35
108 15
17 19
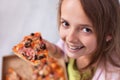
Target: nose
72 36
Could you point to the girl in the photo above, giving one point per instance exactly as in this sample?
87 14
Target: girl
89 31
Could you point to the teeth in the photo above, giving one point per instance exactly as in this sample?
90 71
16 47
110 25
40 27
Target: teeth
71 47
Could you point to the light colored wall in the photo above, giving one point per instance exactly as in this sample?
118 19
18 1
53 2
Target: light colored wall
21 17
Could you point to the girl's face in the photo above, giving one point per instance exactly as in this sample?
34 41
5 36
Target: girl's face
76 30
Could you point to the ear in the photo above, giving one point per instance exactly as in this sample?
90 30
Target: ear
108 38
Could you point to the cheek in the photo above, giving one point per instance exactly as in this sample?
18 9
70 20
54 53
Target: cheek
62 34
93 45
90 43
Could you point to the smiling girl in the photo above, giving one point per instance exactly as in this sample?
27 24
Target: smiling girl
89 31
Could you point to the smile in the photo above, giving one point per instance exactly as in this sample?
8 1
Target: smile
74 48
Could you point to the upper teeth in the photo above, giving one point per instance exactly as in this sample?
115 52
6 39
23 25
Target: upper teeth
71 47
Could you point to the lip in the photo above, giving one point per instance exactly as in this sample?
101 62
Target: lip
74 48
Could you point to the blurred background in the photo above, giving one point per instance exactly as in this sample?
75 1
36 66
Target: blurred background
22 17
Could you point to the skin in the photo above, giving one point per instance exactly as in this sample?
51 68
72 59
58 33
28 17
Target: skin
76 30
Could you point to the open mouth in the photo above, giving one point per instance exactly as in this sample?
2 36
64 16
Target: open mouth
74 48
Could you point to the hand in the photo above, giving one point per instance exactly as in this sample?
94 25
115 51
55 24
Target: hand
53 49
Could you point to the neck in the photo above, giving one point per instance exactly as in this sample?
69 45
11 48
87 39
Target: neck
84 62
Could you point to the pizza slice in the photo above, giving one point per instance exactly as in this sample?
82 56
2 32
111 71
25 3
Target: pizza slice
49 71
32 49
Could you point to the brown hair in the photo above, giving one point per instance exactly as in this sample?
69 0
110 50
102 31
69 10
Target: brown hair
105 17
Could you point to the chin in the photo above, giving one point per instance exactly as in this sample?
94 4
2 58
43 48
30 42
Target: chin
71 55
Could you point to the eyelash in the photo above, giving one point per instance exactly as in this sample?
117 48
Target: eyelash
64 23
85 29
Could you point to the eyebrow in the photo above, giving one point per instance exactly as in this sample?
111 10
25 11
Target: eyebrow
63 19
78 24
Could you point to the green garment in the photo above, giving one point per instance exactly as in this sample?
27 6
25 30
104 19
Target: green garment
74 74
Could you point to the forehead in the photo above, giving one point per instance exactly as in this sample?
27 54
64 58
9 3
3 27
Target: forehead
72 10
70 6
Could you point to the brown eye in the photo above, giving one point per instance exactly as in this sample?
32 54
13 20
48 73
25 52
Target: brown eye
87 30
65 24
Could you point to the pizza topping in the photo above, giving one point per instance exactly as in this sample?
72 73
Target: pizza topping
29 40
37 47
27 44
40 38
42 46
32 47
35 57
43 76
41 56
32 34
30 57
23 53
